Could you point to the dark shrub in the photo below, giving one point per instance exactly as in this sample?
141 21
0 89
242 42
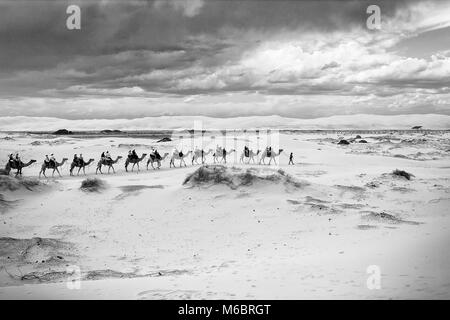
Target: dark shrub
402 173
93 185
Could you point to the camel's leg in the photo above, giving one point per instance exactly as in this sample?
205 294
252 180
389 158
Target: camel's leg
78 171
114 170
138 167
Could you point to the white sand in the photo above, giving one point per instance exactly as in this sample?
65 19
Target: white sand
263 241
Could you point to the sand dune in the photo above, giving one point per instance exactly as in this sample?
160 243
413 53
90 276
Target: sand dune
231 231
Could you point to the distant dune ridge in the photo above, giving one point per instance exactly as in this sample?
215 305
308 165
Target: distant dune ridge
359 121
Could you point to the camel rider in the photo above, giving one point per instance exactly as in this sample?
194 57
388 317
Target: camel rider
103 155
80 159
52 161
246 151
269 151
17 159
107 156
11 159
130 154
157 155
134 154
75 159
47 160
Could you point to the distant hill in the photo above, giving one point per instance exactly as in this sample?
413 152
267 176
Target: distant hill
359 121
62 132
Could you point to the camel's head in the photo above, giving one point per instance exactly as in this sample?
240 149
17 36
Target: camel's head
65 159
90 160
119 157
166 154
32 161
258 151
280 150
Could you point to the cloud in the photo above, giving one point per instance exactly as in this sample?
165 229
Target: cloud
223 58
190 8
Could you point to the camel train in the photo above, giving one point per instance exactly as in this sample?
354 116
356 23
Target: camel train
198 156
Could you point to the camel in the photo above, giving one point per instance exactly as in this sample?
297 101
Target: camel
108 163
80 166
272 156
251 156
17 166
152 159
176 156
220 154
48 165
200 154
134 161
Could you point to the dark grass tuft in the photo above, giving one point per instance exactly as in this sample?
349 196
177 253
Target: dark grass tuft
402 173
93 185
8 183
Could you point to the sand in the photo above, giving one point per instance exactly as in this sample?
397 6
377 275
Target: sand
269 232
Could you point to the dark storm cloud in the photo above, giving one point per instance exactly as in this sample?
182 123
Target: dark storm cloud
180 47
33 33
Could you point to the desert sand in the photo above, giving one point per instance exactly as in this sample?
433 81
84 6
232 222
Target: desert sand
234 231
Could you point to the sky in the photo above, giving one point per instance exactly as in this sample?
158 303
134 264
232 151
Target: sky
223 58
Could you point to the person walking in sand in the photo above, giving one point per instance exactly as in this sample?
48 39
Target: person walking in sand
291 159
